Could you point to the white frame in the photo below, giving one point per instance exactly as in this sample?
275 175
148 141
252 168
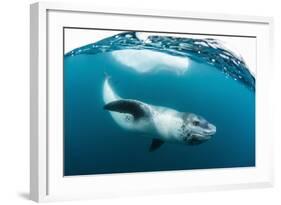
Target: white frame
42 81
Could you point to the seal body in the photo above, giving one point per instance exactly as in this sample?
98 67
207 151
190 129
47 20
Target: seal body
162 123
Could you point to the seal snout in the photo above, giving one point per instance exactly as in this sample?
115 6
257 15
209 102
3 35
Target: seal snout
210 130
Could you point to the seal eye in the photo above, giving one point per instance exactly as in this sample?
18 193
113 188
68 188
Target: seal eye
195 123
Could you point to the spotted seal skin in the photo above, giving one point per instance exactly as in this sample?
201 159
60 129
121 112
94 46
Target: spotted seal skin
161 123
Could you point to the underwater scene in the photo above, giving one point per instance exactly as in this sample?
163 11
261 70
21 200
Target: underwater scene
156 102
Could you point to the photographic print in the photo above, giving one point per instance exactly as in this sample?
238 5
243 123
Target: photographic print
139 101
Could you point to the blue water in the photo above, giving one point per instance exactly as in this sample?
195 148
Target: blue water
189 75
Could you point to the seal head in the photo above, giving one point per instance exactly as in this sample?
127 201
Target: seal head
195 129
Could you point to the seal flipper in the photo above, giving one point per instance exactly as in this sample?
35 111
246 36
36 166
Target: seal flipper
132 107
155 144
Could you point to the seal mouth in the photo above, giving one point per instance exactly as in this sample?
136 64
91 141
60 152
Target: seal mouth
204 135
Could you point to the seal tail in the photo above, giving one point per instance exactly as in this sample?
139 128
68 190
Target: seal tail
108 93
106 75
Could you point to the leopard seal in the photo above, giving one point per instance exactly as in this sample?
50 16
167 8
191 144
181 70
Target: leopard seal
161 123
